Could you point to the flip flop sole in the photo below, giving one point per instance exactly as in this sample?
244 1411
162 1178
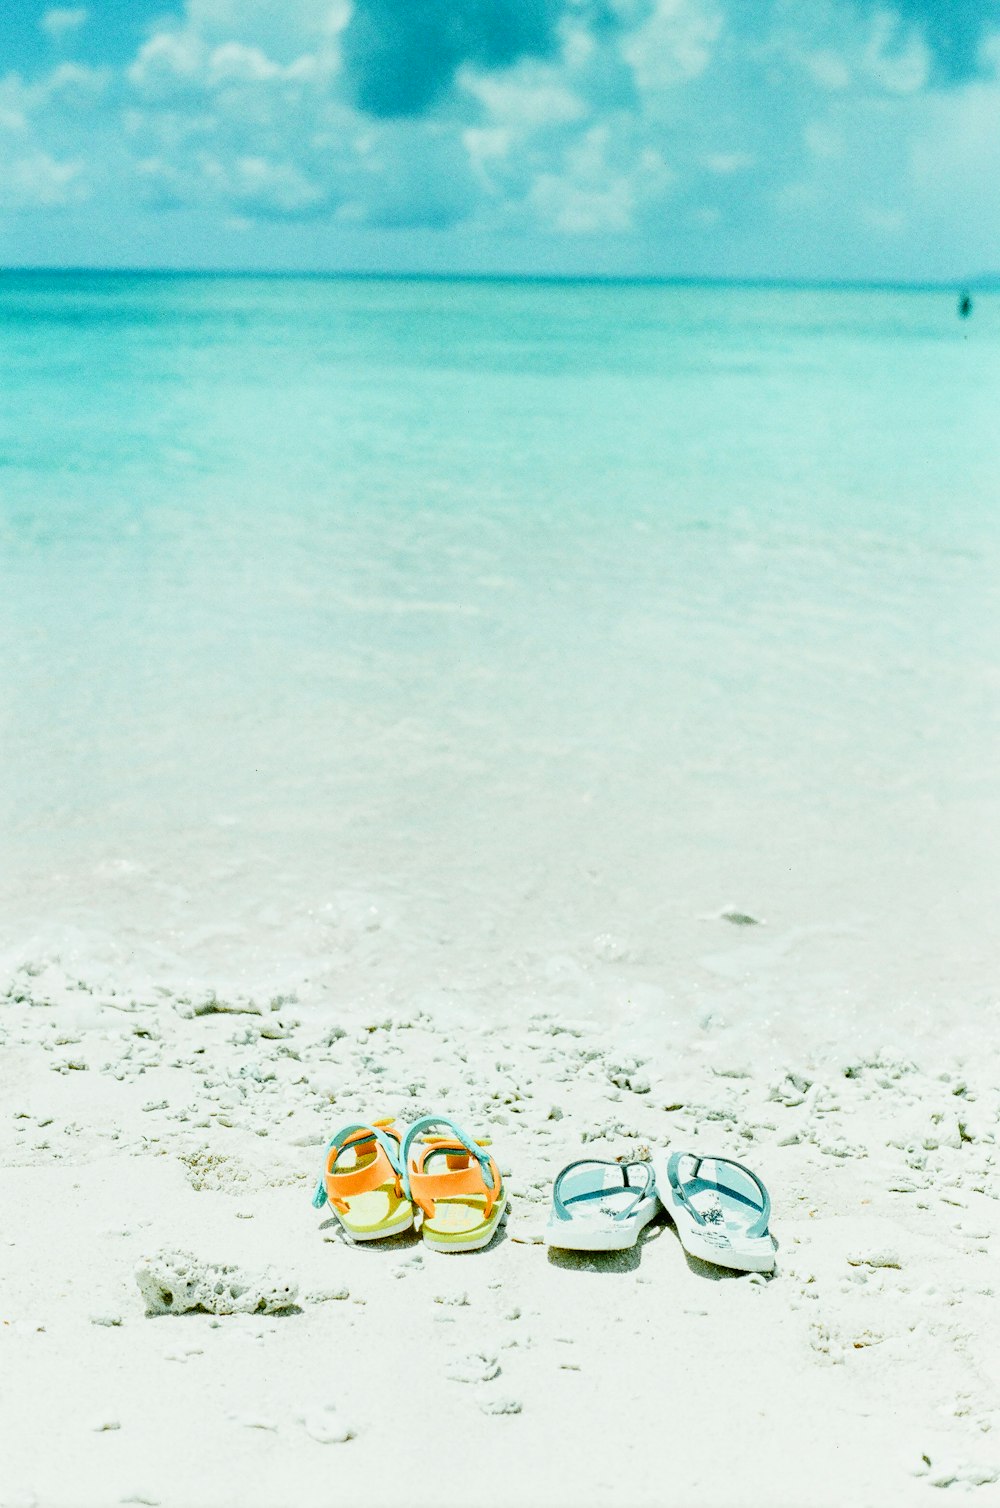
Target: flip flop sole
722 1249
586 1235
752 1257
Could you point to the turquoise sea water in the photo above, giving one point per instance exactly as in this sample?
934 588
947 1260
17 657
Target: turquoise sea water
404 636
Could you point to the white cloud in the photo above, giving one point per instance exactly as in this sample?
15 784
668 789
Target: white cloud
824 140
675 44
956 148
484 142
14 104
887 222
261 187
69 86
264 186
281 31
645 118
220 120
990 53
727 163
528 97
235 63
168 63
228 109
576 210
827 68
61 21
488 149
606 178
38 181
73 84
900 64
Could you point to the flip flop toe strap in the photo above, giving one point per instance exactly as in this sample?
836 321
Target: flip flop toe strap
561 1205
760 1224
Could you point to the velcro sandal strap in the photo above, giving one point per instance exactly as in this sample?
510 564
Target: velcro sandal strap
457 1139
383 1168
463 1175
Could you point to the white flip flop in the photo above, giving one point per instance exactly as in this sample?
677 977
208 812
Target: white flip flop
720 1208
599 1206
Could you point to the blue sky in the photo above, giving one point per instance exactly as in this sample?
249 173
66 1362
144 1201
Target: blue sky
771 138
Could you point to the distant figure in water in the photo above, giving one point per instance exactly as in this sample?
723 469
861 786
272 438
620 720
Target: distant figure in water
964 305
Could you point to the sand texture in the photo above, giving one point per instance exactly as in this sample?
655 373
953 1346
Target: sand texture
163 1137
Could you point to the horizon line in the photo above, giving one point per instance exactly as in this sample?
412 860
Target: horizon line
599 278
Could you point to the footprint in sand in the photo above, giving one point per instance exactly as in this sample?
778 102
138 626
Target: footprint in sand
326 1425
476 1367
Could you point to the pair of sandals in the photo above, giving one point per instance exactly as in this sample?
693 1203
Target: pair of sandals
377 1180
720 1208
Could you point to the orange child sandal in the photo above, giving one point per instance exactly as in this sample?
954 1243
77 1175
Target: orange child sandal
454 1182
362 1182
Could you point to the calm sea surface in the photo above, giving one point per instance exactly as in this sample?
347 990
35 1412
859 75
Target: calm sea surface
385 638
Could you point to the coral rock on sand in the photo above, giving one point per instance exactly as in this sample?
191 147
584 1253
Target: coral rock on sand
500 1405
878 1257
174 1282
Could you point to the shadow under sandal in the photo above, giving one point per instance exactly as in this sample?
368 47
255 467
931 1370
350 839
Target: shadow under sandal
720 1208
601 1206
456 1184
362 1182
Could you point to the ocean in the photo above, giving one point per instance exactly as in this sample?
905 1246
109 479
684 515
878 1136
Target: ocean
394 641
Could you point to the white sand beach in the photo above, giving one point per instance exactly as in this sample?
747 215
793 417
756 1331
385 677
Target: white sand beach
136 1126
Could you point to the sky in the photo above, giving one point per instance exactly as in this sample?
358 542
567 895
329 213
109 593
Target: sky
812 139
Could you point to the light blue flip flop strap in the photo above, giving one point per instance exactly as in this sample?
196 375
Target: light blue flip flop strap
428 1122
759 1226
561 1206
339 1138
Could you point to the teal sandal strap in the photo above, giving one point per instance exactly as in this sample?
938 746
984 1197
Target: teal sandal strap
340 1138
759 1226
426 1123
561 1206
